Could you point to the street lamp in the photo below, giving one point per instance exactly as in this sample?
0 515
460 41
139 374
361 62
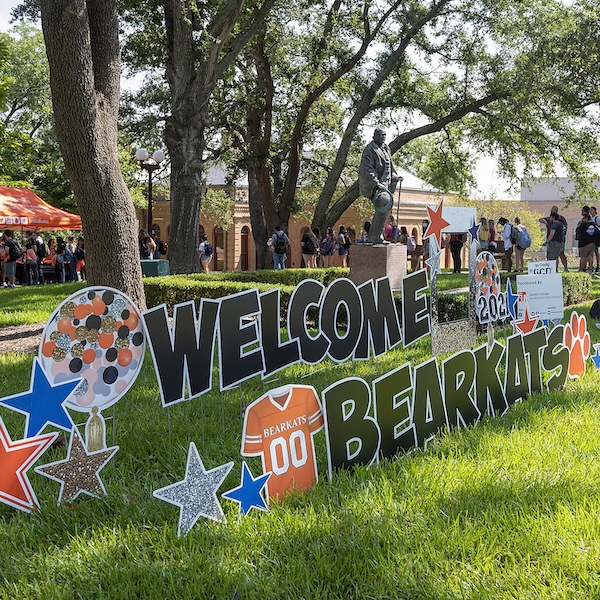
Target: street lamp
158 156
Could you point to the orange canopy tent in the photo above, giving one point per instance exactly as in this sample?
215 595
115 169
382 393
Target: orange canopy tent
20 208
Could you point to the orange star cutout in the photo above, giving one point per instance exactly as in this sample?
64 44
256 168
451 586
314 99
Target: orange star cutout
527 324
436 223
15 459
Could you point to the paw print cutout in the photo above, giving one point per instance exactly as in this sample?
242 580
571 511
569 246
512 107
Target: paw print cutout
577 340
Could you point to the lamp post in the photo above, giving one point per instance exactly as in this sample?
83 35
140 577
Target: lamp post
142 156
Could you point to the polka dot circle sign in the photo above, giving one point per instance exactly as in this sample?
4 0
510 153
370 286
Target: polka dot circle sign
95 334
487 274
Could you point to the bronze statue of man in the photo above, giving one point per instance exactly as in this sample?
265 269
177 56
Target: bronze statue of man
377 180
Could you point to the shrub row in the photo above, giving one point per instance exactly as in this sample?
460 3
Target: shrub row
175 289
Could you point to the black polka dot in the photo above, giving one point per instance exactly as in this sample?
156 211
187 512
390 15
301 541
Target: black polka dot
91 295
108 297
75 322
111 354
138 338
123 332
93 322
125 315
75 365
110 375
105 311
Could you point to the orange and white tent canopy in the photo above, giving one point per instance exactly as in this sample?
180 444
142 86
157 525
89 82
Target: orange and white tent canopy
20 208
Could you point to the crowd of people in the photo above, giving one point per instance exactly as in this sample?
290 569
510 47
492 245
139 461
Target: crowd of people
35 261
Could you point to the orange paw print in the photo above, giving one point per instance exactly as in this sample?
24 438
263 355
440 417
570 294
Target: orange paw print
577 340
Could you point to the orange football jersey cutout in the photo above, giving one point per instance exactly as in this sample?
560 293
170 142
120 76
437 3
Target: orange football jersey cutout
279 426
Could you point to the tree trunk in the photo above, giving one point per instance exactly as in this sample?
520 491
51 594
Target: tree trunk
83 51
260 232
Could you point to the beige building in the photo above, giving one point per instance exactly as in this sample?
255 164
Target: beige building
541 195
235 248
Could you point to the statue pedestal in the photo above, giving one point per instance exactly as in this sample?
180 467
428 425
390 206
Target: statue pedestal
381 260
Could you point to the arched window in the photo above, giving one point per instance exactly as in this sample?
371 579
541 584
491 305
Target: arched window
244 248
218 249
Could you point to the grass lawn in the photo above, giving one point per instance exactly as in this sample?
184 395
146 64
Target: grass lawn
505 509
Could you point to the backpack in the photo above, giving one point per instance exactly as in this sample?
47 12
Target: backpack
325 246
309 245
144 248
280 243
595 310
524 239
208 249
42 250
163 247
411 246
346 242
514 234
14 251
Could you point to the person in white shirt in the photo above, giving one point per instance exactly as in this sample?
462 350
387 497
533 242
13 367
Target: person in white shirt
508 247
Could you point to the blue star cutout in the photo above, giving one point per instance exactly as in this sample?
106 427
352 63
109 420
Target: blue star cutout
474 231
511 299
596 357
43 404
248 494
546 323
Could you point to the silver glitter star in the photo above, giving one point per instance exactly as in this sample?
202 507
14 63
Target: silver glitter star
433 262
196 495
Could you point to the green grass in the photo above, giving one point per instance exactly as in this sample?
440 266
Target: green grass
33 304
505 509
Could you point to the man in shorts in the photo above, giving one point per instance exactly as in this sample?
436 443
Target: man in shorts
546 221
555 242
586 234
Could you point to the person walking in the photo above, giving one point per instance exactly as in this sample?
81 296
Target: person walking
205 251
12 253
327 248
587 236
310 248
555 242
279 244
484 234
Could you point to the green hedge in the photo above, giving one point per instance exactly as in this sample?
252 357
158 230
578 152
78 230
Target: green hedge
175 289
275 277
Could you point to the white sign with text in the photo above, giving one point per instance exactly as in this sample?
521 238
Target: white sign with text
544 295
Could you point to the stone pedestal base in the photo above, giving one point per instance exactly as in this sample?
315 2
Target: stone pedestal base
373 262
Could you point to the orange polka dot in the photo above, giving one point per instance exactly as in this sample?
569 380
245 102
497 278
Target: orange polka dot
89 355
82 311
106 340
64 325
98 306
132 321
125 357
47 349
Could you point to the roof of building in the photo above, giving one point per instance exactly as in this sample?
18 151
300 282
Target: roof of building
217 175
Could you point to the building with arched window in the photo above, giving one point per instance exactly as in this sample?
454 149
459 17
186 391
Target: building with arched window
234 248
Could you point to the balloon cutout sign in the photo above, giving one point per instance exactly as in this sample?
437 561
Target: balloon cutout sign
95 335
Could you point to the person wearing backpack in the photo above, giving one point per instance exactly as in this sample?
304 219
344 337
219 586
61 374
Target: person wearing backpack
507 236
310 248
523 242
587 235
146 244
596 222
279 244
547 222
13 253
205 250
343 242
327 248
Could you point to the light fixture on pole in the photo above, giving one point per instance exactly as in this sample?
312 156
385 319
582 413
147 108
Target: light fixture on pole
142 156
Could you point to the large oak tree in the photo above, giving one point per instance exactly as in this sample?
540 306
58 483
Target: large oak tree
82 46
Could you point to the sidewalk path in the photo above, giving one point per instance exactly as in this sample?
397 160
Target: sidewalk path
21 338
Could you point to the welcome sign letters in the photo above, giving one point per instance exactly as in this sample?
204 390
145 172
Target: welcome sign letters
93 347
